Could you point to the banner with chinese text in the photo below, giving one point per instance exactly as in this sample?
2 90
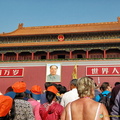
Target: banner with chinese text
74 74
102 71
11 72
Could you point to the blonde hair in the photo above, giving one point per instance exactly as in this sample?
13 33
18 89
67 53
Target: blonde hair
85 87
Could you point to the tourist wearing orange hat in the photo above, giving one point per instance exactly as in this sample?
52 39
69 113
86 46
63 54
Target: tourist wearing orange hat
43 95
51 110
19 87
36 92
5 106
33 95
23 109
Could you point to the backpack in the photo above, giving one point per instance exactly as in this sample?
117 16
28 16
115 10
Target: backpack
105 99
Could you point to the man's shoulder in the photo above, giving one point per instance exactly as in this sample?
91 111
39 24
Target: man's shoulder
49 75
57 75
21 102
33 102
105 92
51 78
53 75
43 94
68 93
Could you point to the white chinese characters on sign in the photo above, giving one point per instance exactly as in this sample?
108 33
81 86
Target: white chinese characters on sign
115 71
11 72
15 72
7 72
103 71
0 72
95 71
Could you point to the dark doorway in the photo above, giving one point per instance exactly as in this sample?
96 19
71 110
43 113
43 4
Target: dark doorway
43 57
61 56
79 56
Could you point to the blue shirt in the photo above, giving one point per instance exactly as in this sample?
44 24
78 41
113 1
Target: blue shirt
97 98
96 93
43 98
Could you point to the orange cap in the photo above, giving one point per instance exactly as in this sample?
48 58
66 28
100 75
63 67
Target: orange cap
52 89
19 87
36 89
5 105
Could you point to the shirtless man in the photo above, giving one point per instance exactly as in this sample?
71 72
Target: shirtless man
85 108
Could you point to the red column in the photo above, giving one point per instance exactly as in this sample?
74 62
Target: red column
2 56
48 55
104 53
17 56
32 56
87 54
70 55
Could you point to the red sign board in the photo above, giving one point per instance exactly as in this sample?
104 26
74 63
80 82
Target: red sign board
11 72
102 71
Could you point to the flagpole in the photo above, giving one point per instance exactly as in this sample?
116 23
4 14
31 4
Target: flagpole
98 80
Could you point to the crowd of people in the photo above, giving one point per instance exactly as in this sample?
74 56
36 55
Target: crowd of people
84 101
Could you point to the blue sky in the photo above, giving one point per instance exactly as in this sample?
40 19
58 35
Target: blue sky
55 12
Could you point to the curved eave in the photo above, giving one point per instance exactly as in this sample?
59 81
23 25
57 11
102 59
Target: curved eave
65 29
61 43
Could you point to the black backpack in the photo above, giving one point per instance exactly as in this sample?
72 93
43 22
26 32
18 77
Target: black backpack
105 99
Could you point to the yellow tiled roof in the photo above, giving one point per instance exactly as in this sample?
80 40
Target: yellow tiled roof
64 29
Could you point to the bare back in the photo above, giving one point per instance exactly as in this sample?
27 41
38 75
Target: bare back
84 109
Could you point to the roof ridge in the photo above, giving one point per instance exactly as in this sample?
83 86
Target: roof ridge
69 25
8 32
69 28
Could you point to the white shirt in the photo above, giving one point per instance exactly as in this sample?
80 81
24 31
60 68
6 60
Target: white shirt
69 96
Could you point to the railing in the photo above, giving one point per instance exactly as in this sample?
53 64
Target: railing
44 60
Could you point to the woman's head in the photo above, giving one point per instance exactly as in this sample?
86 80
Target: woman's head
20 95
105 86
51 93
85 87
63 90
50 96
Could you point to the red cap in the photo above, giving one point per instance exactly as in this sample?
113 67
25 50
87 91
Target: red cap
19 87
5 105
52 89
36 89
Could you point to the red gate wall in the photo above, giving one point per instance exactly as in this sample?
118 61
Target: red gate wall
37 75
